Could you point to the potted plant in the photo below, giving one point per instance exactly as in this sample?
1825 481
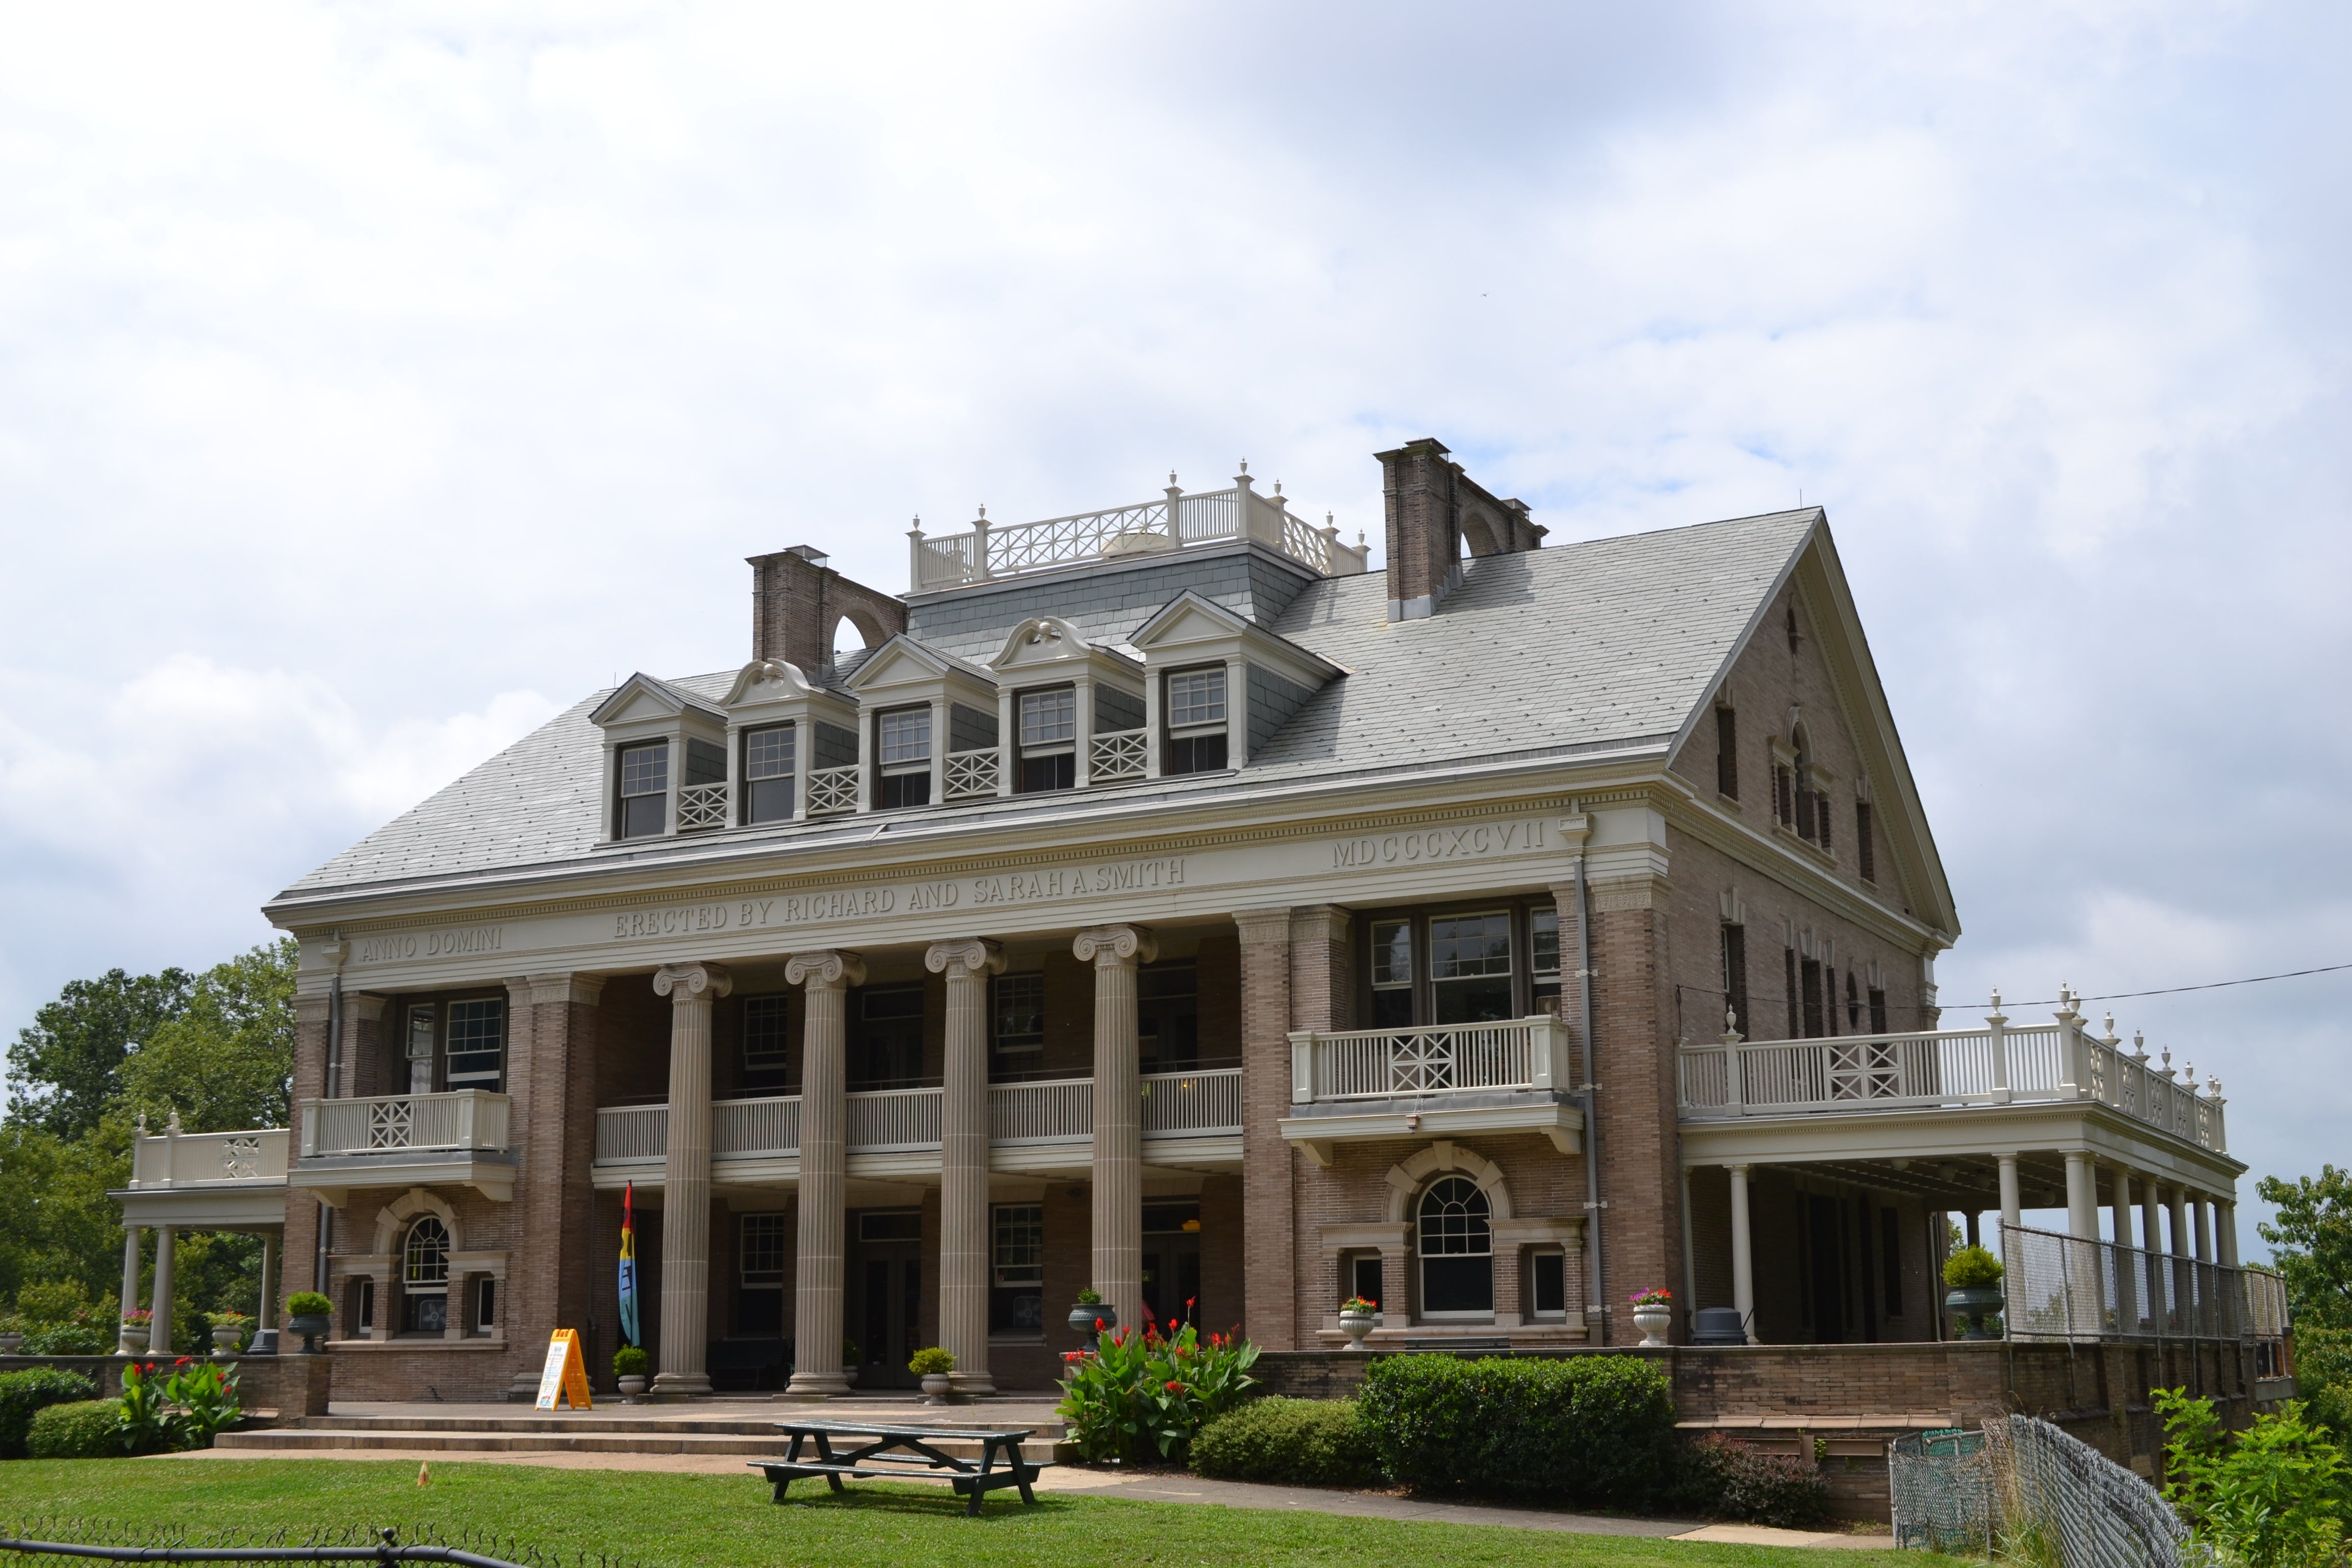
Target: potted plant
932 1364
1356 1315
12 1332
1092 1315
1654 1314
1975 1298
310 1314
130 1337
228 1333
629 1364
852 1362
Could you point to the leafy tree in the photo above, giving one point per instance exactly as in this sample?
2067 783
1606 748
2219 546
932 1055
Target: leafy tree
227 1060
59 1227
67 1068
2312 1244
2273 1498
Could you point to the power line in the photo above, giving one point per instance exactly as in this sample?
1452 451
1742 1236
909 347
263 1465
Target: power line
2163 991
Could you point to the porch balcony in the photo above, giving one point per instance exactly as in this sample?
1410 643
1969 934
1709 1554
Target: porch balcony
1948 1071
1442 1080
459 1137
1189 1118
206 1180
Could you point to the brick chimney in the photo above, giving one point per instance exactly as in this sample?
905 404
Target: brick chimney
1432 507
797 601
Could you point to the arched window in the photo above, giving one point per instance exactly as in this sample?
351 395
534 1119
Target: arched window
424 1278
1456 1242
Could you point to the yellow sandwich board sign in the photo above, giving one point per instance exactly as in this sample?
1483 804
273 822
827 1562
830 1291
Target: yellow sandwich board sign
564 1373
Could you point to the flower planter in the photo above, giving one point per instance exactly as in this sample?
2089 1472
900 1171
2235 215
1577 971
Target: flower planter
1655 1322
1356 1326
1973 1307
310 1327
225 1342
935 1387
633 1387
1083 1318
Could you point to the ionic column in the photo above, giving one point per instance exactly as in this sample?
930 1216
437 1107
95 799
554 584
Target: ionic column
821 1267
2151 1227
159 1331
2202 1209
2082 1196
1115 951
265 1316
2180 1227
686 1178
123 1343
2126 1265
963 1158
2225 1233
1743 1258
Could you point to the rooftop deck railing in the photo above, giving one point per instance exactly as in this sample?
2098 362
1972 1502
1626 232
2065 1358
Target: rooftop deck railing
1998 1064
1446 1058
989 551
175 1159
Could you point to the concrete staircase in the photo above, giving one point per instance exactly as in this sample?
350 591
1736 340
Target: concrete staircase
662 1430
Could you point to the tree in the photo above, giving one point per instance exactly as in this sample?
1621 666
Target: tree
67 1068
226 1061
2312 1245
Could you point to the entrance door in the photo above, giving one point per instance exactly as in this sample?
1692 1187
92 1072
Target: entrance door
1825 1238
886 1311
1171 1262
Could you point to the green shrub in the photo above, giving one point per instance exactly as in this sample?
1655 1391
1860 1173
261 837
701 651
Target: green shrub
1724 1477
1288 1442
2275 1497
1587 1429
24 1394
931 1361
631 1361
1138 1398
1972 1266
309 1304
64 1339
86 1429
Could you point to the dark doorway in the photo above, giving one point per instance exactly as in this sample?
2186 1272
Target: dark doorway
884 1312
1172 1263
1826 1240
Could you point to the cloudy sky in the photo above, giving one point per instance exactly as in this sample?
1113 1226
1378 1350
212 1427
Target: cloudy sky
376 380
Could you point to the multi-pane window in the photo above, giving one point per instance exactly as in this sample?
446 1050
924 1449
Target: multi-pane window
904 746
1017 1024
1455 1239
477 1042
765 1021
424 1278
1049 734
1168 1015
644 805
889 1044
1726 753
1470 967
768 774
760 1274
1392 974
424 1021
486 1304
1195 742
1017 1296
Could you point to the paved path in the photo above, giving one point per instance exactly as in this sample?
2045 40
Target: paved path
1153 1488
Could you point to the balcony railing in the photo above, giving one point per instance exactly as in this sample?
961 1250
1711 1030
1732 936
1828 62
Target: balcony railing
701 807
1175 1105
1998 1064
1446 1058
1119 755
989 551
971 774
463 1119
177 1159
832 791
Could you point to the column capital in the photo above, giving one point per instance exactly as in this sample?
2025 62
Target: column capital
1107 947
1326 923
540 989
976 955
685 983
1741 1170
828 969
1263 925
365 1005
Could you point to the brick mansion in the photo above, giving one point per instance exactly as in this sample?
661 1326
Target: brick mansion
1165 904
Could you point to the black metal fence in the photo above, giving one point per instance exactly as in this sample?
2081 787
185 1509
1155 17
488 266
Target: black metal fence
49 1536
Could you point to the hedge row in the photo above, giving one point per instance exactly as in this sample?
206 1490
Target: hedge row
1288 1442
91 1429
1596 1430
24 1394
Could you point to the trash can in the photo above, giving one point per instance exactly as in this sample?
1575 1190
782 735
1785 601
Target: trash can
1717 1326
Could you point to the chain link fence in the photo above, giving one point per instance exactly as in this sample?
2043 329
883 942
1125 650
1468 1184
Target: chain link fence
2023 1488
96 1538
2061 1286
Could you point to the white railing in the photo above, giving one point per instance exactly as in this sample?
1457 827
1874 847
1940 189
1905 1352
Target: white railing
1117 757
832 791
1057 1111
990 551
742 1129
632 1132
462 1119
1998 1064
174 1158
1181 1104
882 1120
1446 1058
701 806
971 773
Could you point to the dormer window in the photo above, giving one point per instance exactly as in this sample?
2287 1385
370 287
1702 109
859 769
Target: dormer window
768 774
1196 722
1049 740
904 746
644 799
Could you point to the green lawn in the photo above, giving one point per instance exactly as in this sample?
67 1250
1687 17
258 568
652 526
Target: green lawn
663 1520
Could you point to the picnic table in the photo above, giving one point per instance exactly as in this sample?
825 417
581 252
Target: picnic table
901 1452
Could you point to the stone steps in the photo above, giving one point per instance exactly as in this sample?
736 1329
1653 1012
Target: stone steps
710 1436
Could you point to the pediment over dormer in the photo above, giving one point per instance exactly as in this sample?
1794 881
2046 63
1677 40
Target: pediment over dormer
1190 629
902 664
765 680
642 698
1049 642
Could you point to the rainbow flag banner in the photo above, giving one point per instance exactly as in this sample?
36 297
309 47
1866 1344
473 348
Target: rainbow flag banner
629 1264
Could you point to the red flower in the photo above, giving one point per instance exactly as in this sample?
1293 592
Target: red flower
1188 1302
1098 1325
1174 1386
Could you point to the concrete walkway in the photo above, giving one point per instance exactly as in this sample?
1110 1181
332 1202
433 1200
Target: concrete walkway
1154 1488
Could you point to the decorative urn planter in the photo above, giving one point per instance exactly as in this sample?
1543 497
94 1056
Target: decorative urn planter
131 1338
1972 1305
849 1373
225 1339
1083 1317
1356 1325
935 1387
1653 1318
310 1326
633 1387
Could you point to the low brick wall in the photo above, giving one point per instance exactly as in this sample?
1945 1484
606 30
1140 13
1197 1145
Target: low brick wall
287 1385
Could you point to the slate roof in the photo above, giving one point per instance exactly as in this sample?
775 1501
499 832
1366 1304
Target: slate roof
1604 645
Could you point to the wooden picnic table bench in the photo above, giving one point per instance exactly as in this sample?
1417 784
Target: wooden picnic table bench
902 1453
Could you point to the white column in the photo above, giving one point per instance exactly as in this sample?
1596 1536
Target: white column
123 1343
2225 1233
1743 1259
1083 764
1008 737
686 1178
2126 1265
2201 1211
963 1158
1237 731
2013 1208
267 1316
2180 1227
939 751
804 762
1115 951
2151 1222
821 1267
2082 1196
159 1332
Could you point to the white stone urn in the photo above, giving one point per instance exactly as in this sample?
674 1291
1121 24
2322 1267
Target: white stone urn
225 1339
633 1387
1653 1318
935 1387
1356 1326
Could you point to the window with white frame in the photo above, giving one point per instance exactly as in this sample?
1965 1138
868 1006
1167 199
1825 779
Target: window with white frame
1048 739
904 748
768 774
760 1274
1017 1021
424 1278
424 1025
1454 1233
1470 967
1195 742
765 1020
1016 1296
476 1044
643 809
1392 974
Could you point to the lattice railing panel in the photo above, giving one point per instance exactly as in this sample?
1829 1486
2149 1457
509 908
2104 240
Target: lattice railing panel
1118 756
832 791
701 807
971 773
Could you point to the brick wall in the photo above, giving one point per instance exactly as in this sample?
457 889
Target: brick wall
1640 1153
1269 1164
795 605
